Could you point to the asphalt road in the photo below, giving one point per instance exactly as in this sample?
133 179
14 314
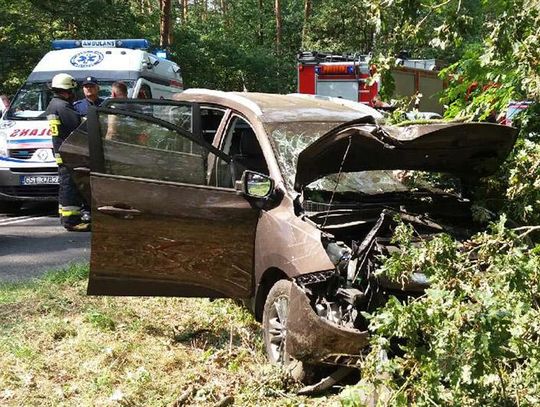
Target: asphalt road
32 242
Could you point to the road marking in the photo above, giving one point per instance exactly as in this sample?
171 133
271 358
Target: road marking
19 219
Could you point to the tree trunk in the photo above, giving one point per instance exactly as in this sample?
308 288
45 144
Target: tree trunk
277 10
307 14
165 32
260 34
185 10
148 5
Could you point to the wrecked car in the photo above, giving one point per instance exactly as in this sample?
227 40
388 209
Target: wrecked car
284 201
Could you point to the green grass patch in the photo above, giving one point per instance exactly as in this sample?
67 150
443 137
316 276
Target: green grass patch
59 346
13 291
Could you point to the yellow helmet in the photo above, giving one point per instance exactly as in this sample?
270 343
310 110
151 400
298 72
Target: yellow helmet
63 81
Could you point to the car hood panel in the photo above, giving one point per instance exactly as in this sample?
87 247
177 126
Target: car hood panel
465 149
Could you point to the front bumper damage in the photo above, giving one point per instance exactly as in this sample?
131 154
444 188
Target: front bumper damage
325 322
313 339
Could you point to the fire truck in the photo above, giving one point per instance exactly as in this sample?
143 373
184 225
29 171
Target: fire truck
343 76
349 76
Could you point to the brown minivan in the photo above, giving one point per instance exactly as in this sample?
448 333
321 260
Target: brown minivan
283 201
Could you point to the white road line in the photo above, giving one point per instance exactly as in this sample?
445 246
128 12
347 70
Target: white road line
19 219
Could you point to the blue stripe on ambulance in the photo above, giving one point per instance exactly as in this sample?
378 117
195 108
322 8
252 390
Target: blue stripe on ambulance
16 160
29 140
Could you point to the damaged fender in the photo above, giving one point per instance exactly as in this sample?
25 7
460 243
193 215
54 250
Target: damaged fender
313 339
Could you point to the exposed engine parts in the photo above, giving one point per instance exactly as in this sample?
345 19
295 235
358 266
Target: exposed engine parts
340 295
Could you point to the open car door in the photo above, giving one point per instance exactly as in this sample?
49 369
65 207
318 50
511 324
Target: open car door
157 227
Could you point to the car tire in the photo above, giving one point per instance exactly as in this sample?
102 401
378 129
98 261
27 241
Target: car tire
275 314
10 206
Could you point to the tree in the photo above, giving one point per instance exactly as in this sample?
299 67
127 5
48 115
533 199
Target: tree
22 45
307 14
165 32
277 11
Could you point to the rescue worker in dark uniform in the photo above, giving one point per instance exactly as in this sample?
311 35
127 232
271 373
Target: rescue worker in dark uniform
63 119
91 96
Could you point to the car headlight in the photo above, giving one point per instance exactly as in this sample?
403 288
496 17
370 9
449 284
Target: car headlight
3 143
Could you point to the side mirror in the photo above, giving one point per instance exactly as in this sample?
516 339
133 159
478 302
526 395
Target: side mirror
256 185
259 190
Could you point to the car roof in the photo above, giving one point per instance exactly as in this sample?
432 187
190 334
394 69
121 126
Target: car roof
269 107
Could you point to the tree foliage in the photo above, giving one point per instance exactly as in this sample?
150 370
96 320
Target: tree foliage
28 27
472 339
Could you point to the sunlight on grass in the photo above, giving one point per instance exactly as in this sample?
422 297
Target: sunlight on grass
61 347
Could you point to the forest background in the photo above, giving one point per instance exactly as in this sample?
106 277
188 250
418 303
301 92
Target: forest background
473 338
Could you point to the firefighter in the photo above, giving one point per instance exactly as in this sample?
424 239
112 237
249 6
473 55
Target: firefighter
63 119
91 96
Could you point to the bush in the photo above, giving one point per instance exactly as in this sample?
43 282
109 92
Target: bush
473 338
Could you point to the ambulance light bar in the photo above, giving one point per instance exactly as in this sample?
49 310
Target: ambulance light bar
128 43
335 69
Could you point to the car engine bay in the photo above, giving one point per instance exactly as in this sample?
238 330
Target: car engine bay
357 237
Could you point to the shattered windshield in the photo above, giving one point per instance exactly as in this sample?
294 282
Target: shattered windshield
291 138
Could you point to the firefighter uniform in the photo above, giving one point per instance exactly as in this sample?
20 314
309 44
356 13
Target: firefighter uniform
63 119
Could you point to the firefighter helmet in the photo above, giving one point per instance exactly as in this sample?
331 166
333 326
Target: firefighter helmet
63 81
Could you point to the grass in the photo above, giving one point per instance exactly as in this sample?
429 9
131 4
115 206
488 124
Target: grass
59 347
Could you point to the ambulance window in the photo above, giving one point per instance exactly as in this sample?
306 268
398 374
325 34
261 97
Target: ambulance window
210 121
143 149
105 88
30 102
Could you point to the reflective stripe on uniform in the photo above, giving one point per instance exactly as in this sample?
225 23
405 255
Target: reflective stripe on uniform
69 210
58 158
65 213
54 122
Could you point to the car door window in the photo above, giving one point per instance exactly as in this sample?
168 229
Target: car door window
137 143
241 144
177 114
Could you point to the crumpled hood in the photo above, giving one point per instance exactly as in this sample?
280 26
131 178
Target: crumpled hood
470 150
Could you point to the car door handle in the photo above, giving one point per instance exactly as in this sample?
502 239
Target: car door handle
126 213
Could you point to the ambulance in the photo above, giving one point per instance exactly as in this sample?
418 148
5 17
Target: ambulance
28 170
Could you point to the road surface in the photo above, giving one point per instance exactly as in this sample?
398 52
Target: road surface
32 242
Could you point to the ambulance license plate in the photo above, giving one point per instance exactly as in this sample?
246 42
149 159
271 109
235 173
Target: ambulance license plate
39 179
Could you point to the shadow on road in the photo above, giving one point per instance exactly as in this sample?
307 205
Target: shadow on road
33 209
33 242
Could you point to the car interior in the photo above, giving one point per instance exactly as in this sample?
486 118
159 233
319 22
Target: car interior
210 120
244 148
241 144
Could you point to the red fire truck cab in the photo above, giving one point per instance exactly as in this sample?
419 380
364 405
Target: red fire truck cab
342 76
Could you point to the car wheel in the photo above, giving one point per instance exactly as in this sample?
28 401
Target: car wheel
275 314
10 206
